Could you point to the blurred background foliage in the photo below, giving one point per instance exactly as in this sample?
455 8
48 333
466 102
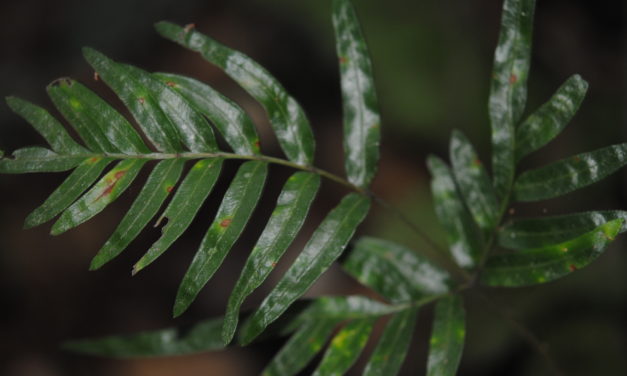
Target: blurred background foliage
432 64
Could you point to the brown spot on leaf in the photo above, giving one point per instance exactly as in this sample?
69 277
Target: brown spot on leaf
511 211
93 159
111 183
257 144
572 267
170 84
476 163
169 188
343 60
226 223
513 79
142 100
96 76
274 264
189 27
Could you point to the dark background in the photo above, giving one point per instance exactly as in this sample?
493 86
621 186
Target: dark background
432 64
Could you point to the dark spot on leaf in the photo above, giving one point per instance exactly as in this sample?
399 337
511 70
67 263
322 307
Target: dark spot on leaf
257 144
274 264
170 84
111 183
93 159
513 79
141 100
169 188
96 76
118 175
572 267
189 27
226 222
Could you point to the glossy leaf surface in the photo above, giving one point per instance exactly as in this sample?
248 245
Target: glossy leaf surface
324 247
539 265
570 174
300 349
232 122
551 118
72 187
508 89
46 125
474 183
236 208
389 355
104 192
160 183
286 220
204 336
447 337
138 99
38 159
181 211
362 123
345 347
397 273
99 125
463 235
537 232
286 116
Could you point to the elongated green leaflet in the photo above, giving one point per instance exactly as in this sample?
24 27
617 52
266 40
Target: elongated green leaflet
46 125
539 265
528 233
397 273
286 116
107 190
235 210
156 189
508 89
387 358
95 120
74 185
37 159
463 235
570 174
286 220
345 347
192 128
324 247
138 99
551 118
232 122
204 336
301 348
447 337
362 123
474 183
181 211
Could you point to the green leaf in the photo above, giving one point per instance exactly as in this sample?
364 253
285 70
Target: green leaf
74 185
447 337
286 116
324 247
204 336
537 232
183 208
508 89
387 358
138 99
235 210
342 308
474 183
46 125
232 122
548 263
362 123
99 125
463 235
301 348
550 119
286 220
156 189
570 174
37 159
397 273
345 348
107 190
192 127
